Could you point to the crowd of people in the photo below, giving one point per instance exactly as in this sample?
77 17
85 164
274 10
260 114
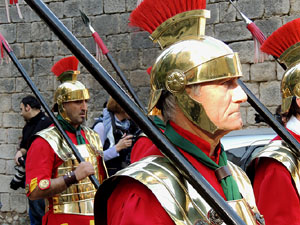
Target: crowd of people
195 100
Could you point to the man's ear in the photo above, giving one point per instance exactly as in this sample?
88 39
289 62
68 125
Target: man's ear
27 108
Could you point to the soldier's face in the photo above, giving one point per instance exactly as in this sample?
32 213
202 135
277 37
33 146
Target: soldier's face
25 111
76 111
221 101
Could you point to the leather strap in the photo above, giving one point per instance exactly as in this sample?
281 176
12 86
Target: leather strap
222 172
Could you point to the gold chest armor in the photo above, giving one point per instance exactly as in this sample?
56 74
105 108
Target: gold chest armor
180 200
78 198
279 151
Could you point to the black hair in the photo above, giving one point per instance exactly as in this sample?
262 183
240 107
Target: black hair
31 101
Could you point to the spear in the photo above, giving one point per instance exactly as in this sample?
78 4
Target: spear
92 65
105 51
34 89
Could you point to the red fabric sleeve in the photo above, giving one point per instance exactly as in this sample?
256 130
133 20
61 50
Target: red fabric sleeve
132 203
39 163
276 197
140 148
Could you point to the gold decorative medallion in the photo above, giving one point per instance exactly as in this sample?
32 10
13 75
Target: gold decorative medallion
43 184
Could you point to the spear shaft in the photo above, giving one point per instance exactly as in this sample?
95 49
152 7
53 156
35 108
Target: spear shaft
92 65
34 89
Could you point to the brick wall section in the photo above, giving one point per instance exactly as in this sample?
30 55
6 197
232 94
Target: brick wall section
38 48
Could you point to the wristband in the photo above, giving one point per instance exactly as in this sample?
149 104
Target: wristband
70 178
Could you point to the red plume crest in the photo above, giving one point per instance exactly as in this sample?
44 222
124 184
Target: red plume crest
151 13
283 38
65 64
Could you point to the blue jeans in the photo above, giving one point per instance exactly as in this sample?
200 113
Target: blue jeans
36 211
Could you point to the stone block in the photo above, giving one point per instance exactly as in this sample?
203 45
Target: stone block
29 15
19 203
227 12
42 66
118 42
265 71
14 16
209 30
114 6
14 135
269 26
23 32
57 9
26 64
234 31
63 50
70 8
144 94
245 50
40 32
139 78
254 89
251 12
5 100
1 119
10 167
276 7
68 24
141 40
5 70
131 5
246 72
214 13
21 84
89 44
149 57
10 120
124 24
95 7
19 50
270 93
279 71
49 48
2 166
106 24
4 198
32 49
288 18
129 59
3 17
8 85
9 32
79 28
5 180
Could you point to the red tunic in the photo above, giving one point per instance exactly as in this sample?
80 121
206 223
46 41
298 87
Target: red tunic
132 203
276 196
42 163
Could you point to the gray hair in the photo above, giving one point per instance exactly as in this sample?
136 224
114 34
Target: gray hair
169 103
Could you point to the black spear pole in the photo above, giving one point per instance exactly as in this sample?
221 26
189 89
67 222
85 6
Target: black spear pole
91 64
112 61
270 119
34 89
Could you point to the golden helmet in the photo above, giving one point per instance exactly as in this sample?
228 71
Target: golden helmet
70 89
189 57
284 44
191 62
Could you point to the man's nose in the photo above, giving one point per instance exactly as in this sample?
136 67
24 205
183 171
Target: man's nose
84 105
238 95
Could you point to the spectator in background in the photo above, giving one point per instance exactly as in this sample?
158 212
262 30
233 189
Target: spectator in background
36 120
116 131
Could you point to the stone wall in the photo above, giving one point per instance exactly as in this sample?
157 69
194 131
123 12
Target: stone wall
38 48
